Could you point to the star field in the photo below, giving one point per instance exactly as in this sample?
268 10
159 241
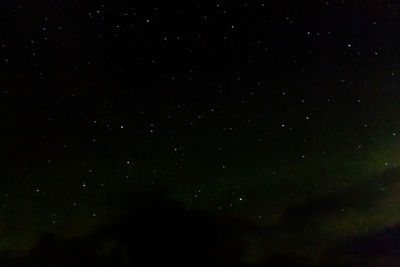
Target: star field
247 133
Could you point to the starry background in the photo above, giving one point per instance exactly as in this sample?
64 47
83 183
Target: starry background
276 120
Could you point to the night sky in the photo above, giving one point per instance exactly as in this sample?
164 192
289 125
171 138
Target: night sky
200 133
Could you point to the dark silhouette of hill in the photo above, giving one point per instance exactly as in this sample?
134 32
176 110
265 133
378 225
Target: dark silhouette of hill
153 230
376 249
156 232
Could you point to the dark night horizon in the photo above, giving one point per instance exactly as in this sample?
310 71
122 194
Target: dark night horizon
223 133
